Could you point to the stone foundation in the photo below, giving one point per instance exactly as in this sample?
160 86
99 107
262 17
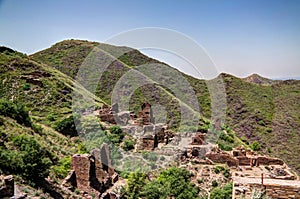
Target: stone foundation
274 188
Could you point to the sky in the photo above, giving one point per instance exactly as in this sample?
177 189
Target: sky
241 37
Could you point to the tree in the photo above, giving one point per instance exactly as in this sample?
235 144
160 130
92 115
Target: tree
135 183
222 193
172 182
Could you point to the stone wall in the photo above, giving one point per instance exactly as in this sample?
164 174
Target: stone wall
222 157
92 173
243 187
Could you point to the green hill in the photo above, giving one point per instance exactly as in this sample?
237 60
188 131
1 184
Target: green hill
258 109
39 89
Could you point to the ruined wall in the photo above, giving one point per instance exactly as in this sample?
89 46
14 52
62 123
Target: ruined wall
263 160
92 173
198 139
243 187
222 157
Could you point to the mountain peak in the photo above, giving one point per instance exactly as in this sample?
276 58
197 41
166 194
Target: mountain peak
257 79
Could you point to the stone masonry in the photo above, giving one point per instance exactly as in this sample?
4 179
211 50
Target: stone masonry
274 188
92 173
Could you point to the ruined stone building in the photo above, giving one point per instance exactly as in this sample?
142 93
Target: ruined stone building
243 187
92 173
146 114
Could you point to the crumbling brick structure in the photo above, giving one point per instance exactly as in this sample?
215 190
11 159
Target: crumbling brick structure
198 139
242 157
243 187
146 114
92 173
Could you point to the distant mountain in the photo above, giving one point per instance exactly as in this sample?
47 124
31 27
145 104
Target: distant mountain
257 79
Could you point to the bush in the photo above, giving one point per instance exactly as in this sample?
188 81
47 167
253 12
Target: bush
128 145
218 169
150 156
26 87
222 193
173 182
226 173
37 128
67 126
62 168
116 135
226 138
255 146
214 183
245 140
28 160
224 147
16 111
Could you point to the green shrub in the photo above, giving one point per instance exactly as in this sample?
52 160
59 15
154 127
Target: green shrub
173 182
226 173
128 145
218 169
26 87
150 156
245 140
16 111
224 147
29 159
261 122
222 193
62 168
67 126
116 135
255 146
214 183
37 128
226 138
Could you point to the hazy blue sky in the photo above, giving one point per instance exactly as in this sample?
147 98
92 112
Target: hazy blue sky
242 37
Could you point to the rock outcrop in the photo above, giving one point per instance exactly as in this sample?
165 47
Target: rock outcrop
6 186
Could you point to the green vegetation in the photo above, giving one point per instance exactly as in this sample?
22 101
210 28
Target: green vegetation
255 146
116 135
30 159
36 102
62 168
15 111
171 182
128 145
222 193
224 170
67 126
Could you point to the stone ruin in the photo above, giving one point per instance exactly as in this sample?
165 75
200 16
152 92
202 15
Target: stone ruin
92 173
274 188
113 116
146 114
142 126
153 135
7 186
199 139
242 157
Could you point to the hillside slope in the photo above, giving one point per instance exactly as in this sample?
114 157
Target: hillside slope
258 109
